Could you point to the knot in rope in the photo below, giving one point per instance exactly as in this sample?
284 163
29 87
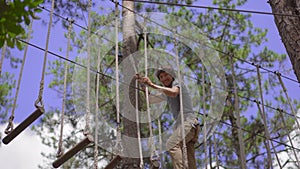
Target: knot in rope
10 125
60 152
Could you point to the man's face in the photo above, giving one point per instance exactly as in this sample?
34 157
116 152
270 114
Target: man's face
165 78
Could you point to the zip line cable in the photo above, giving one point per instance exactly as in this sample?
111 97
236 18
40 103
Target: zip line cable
215 8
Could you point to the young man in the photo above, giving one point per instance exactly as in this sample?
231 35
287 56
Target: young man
170 91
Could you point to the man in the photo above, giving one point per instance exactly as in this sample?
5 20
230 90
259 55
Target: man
170 91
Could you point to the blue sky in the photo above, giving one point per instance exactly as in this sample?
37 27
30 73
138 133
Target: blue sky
33 66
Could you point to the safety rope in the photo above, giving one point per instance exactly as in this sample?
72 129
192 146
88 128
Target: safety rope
204 117
60 151
288 98
236 107
160 143
87 114
151 141
263 115
41 90
184 148
216 151
96 153
3 56
10 125
289 137
138 126
267 137
119 147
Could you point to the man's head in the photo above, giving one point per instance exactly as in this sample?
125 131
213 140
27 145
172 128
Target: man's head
166 76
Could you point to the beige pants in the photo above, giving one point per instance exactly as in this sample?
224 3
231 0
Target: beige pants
174 145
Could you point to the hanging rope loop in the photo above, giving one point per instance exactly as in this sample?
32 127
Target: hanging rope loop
10 125
39 103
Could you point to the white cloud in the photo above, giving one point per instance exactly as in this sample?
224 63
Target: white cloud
23 152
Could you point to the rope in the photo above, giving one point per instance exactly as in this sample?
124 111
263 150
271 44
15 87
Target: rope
84 28
184 148
138 126
110 77
2 56
87 115
236 106
287 98
60 151
204 117
267 137
216 151
119 147
105 75
10 125
97 110
151 141
211 47
289 137
40 95
160 143
263 114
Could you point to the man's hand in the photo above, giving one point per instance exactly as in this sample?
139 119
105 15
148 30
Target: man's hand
143 80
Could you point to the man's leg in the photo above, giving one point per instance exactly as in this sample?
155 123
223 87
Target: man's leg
176 155
191 155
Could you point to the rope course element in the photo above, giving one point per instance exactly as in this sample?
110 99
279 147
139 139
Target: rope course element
184 147
153 155
220 51
263 115
215 8
289 137
12 133
10 125
236 109
105 75
60 151
216 151
118 146
96 153
88 137
261 103
84 28
287 98
204 117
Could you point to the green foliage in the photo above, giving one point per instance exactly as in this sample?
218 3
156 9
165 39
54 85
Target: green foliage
7 83
13 17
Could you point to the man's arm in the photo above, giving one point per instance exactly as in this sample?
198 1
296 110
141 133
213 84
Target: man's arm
172 92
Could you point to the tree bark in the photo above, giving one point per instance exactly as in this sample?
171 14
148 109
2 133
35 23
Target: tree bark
289 29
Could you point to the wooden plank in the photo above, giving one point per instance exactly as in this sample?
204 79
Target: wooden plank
22 126
113 162
81 145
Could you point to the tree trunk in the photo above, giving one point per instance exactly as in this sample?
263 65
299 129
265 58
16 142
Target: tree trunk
129 47
289 29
